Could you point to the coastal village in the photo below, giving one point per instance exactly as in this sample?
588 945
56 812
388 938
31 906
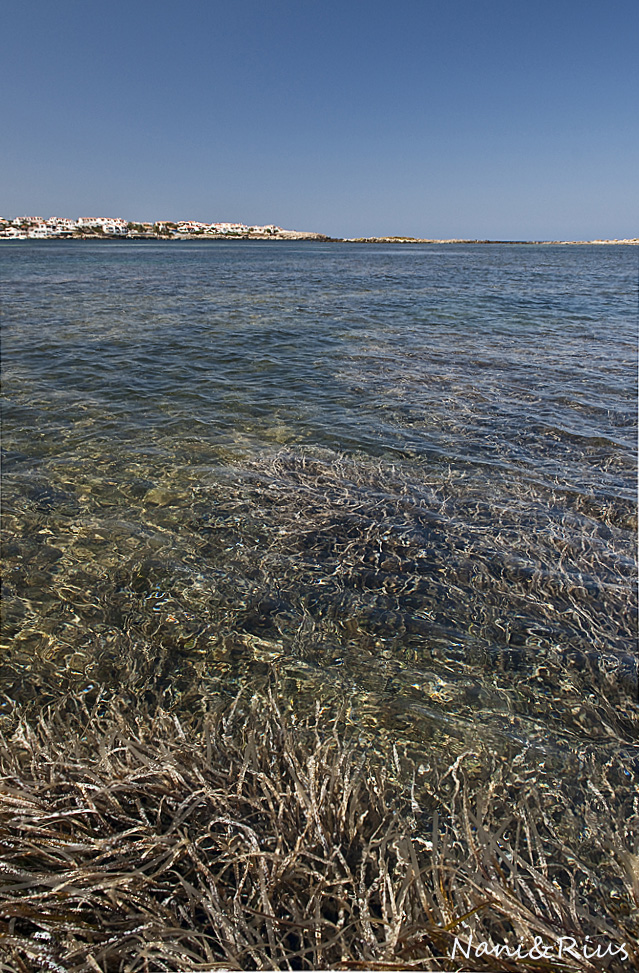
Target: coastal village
102 227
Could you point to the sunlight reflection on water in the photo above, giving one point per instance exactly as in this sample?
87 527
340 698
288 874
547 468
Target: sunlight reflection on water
404 476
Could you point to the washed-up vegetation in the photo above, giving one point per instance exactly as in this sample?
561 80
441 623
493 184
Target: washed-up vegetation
258 838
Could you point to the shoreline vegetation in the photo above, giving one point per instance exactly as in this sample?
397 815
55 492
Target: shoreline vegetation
259 836
107 228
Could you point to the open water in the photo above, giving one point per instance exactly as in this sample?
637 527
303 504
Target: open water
401 475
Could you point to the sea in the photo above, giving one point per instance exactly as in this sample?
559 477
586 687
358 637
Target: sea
399 476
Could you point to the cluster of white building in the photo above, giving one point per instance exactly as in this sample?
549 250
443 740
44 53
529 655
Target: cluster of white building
226 229
37 228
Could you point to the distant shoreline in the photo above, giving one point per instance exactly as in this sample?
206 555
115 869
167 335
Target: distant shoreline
317 238
116 228
563 243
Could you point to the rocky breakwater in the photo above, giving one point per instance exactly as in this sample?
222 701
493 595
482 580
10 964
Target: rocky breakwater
299 235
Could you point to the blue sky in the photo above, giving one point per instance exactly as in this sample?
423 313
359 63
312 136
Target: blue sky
498 119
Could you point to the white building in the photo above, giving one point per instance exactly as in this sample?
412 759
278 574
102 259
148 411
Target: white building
112 226
39 231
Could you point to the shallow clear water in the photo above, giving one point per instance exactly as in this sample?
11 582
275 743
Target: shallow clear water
402 475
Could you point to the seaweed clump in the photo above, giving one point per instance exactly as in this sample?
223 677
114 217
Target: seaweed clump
253 838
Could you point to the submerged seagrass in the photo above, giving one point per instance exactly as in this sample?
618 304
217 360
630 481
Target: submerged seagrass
398 484
255 839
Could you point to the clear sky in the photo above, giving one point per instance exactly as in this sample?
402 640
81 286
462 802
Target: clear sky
500 119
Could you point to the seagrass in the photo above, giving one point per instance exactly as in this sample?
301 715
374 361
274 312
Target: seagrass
254 837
